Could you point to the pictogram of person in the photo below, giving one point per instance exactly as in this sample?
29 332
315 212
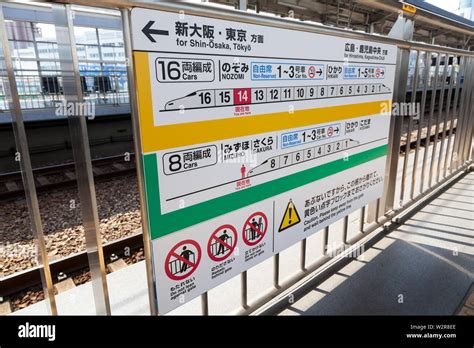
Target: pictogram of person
253 233
242 171
185 254
223 237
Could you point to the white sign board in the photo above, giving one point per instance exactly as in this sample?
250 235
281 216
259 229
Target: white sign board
253 138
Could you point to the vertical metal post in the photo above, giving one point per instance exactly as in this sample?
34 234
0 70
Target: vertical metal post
468 140
205 304
325 240
38 64
396 123
470 144
373 210
438 119
276 271
410 122
469 154
428 132
80 146
469 129
445 120
243 290
468 117
448 159
460 126
468 137
402 29
426 75
345 225
243 5
138 157
303 255
377 210
459 122
12 98
362 219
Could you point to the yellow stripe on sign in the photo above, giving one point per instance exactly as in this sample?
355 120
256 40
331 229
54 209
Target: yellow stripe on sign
155 138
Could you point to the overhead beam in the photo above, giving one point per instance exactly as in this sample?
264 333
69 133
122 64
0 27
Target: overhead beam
421 15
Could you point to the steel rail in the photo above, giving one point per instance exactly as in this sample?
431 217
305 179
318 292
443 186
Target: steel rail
56 168
20 281
60 169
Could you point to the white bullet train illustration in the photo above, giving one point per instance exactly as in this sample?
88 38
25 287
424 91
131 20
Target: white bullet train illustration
210 98
303 155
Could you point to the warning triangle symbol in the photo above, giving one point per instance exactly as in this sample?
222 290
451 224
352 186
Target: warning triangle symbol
290 218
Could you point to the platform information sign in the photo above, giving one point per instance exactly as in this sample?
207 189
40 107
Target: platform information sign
253 138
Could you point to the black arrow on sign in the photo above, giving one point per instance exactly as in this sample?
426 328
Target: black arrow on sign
319 72
148 31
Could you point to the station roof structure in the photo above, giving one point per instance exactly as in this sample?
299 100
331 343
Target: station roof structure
432 24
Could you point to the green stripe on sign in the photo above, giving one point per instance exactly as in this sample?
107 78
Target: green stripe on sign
150 172
161 225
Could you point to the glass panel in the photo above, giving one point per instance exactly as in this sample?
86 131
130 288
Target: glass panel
22 49
117 75
89 69
44 32
112 53
85 35
46 67
110 37
81 51
17 30
47 50
25 67
87 52
111 42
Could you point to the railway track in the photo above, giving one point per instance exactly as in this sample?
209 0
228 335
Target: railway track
62 175
20 281
424 135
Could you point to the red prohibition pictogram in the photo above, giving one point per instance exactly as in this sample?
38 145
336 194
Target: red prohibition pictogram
312 71
183 259
222 242
254 228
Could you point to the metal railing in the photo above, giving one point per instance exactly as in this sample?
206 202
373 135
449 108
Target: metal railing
435 149
39 92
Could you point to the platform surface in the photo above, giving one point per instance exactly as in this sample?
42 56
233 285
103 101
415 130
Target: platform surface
425 267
